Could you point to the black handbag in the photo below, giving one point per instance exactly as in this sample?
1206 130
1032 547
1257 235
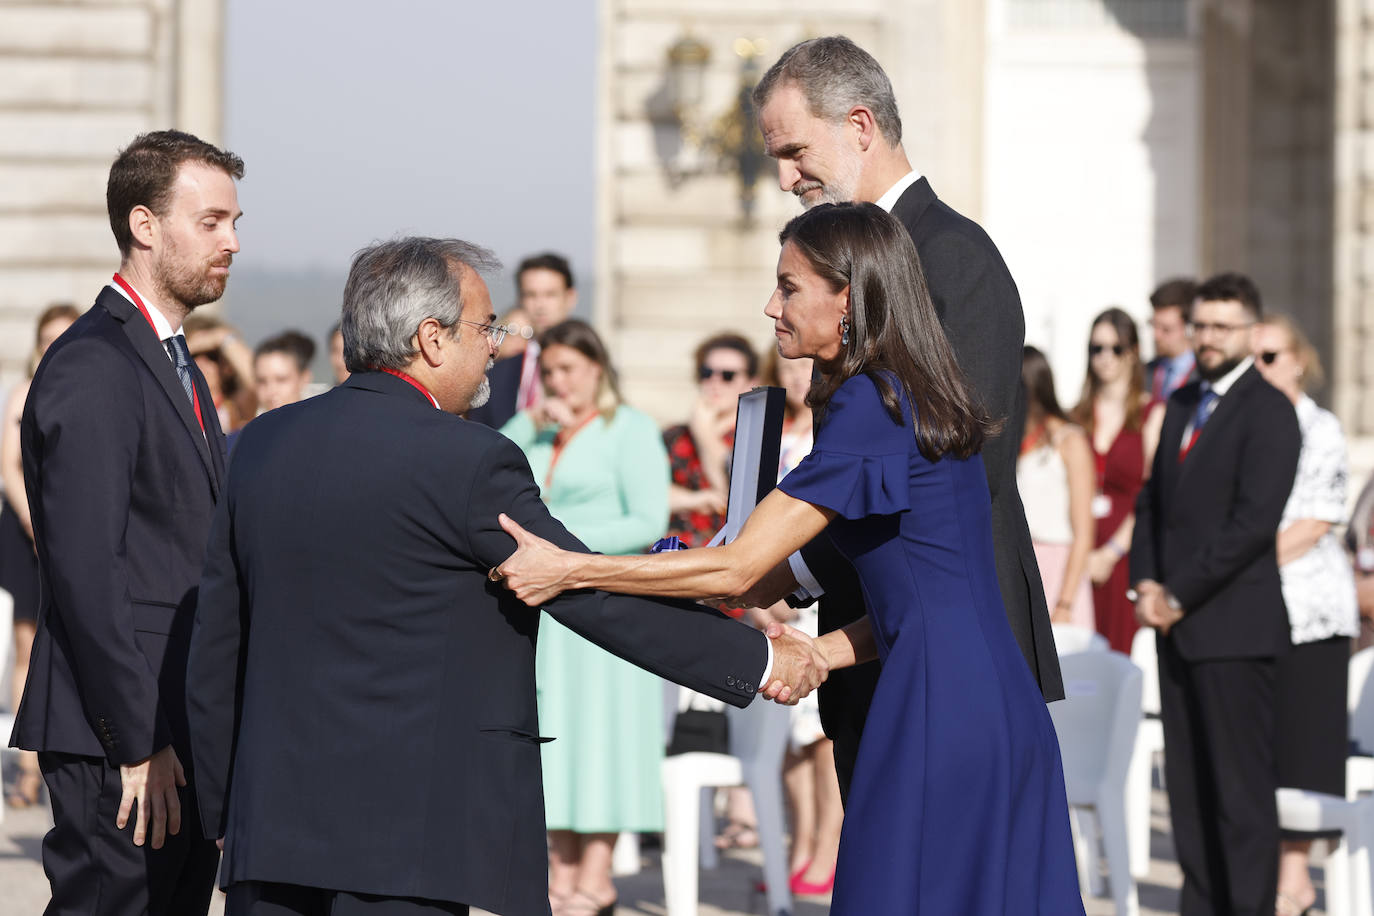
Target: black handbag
700 730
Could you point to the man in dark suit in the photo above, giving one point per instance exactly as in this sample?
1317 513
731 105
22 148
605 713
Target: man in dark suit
362 695
547 296
123 462
1171 305
829 118
1206 576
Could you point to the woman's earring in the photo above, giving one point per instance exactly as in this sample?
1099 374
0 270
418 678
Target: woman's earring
844 330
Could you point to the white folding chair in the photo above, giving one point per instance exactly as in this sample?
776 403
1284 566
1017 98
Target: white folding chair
1097 725
1347 875
758 739
1359 768
1149 746
1070 638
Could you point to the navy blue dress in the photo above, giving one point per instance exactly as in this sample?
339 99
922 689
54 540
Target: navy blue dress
958 803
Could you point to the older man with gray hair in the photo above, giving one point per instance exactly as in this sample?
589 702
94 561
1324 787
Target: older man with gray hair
361 696
829 117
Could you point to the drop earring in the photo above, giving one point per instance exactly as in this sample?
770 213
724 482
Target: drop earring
844 330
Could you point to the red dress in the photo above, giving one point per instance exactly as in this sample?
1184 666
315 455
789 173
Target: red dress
1120 473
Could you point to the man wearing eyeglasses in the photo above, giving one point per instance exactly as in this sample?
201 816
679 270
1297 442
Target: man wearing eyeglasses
361 696
1206 578
547 294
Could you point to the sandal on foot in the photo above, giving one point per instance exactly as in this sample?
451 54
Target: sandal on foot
582 903
1284 905
738 835
24 794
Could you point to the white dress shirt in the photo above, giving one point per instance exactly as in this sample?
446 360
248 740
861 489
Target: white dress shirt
161 325
1220 386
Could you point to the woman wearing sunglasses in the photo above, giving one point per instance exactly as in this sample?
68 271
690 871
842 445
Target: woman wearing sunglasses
1319 591
1123 425
726 367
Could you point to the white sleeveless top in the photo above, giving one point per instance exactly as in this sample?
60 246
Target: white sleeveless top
1043 480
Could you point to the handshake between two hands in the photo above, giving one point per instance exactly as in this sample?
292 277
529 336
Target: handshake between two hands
799 665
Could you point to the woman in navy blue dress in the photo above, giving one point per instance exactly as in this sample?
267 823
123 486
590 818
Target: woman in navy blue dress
958 801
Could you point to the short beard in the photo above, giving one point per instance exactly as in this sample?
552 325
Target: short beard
186 282
842 188
1211 375
483 392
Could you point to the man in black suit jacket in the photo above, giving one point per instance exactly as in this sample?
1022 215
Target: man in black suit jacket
1171 305
830 119
1206 576
123 462
362 695
547 296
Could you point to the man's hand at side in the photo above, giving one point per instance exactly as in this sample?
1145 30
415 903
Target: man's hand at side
798 665
152 784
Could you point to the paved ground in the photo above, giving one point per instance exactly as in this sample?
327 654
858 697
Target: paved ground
725 891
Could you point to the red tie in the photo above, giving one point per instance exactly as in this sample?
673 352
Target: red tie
138 301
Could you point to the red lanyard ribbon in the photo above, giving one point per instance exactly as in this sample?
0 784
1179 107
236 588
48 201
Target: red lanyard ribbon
138 301
560 442
411 380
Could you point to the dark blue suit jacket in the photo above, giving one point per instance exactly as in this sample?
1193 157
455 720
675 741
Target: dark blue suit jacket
980 310
1205 526
362 699
122 485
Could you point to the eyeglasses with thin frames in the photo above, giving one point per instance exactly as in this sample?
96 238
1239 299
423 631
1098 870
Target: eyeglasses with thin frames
1202 327
496 332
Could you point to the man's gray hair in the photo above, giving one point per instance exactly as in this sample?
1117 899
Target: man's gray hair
835 75
393 286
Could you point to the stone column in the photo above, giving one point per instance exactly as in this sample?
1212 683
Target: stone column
78 80
1353 312
1226 82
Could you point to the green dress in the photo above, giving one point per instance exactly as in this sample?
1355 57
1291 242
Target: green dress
609 486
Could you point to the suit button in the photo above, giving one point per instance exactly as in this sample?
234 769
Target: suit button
748 686
730 681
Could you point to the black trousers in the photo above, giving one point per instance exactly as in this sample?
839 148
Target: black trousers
1220 768
267 898
93 867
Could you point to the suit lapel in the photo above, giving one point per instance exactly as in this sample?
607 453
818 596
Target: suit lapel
1230 406
912 205
149 349
1176 415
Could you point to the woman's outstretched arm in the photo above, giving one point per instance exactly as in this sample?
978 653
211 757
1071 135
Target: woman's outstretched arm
779 525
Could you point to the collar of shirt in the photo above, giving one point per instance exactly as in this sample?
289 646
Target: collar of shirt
161 325
1306 409
1223 384
894 193
1181 364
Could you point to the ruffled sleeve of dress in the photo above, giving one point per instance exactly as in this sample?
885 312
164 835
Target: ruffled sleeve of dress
861 462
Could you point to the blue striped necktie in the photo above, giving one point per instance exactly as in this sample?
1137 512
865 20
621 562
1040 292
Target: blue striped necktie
181 357
1204 407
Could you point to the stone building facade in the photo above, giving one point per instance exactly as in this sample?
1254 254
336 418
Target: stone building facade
1105 144
78 80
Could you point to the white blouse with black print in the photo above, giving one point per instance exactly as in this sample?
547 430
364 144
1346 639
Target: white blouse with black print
1318 587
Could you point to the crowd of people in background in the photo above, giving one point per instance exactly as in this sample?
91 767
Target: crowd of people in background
619 483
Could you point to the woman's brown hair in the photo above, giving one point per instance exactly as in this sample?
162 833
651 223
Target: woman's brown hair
1129 339
894 330
581 337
